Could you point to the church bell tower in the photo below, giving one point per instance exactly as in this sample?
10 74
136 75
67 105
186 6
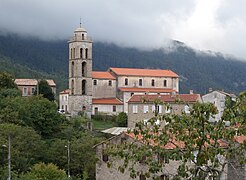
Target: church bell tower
80 69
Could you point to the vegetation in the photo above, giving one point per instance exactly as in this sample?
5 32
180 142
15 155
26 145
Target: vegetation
45 90
202 149
39 138
26 58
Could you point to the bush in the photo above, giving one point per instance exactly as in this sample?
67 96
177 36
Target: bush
121 119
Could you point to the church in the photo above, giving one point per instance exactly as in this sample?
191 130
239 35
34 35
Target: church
108 91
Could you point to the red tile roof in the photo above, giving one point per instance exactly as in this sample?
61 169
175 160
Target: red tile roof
102 75
32 82
109 101
157 90
143 72
67 91
166 98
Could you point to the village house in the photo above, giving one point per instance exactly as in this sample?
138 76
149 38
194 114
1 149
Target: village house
232 170
218 98
28 86
142 107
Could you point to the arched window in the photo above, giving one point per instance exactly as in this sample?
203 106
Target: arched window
140 82
83 36
152 82
72 87
81 53
83 87
86 53
74 53
165 83
83 69
71 53
126 81
72 69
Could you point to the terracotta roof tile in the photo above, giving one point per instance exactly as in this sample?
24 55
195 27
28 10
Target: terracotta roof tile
32 82
143 72
102 75
114 101
157 90
166 98
66 91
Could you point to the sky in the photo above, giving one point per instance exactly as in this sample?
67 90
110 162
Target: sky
216 25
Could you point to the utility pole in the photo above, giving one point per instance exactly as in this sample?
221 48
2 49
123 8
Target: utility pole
9 160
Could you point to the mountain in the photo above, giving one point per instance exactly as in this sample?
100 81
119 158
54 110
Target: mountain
197 70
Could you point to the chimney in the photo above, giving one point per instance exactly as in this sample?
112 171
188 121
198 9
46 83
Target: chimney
210 89
191 91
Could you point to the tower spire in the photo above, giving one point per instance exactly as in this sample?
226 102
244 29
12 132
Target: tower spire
80 23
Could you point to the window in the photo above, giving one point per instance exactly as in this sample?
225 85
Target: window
110 83
83 69
152 82
62 98
146 109
24 91
168 109
62 107
142 177
81 52
114 108
159 108
105 158
165 83
135 109
132 94
140 82
72 85
83 36
72 69
94 82
71 53
187 109
86 53
33 90
153 108
65 98
164 177
96 110
74 53
66 108
126 81
83 87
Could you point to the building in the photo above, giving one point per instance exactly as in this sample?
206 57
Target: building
142 107
103 172
63 100
218 98
28 86
116 85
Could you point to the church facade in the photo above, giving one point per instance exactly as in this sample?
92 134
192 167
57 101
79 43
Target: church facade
108 91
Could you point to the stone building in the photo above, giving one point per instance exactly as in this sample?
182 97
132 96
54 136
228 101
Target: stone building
117 84
218 98
142 107
28 86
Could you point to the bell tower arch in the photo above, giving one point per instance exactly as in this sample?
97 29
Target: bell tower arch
80 70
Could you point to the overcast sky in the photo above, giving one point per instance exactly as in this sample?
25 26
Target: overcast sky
217 25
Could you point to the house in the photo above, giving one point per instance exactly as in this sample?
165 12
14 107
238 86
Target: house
63 100
110 106
103 172
28 86
142 107
218 98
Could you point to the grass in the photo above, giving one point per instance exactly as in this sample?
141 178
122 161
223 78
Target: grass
101 125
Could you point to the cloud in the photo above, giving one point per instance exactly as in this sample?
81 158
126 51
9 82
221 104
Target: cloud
217 25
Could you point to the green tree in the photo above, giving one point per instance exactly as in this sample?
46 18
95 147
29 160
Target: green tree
9 92
25 147
202 149
45 90
6 81
45 171
121 119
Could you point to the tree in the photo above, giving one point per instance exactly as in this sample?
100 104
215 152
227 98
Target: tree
201 149
25 147
121 119
6 81
45 171
45 90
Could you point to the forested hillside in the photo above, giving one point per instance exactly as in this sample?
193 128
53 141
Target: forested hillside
197 70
